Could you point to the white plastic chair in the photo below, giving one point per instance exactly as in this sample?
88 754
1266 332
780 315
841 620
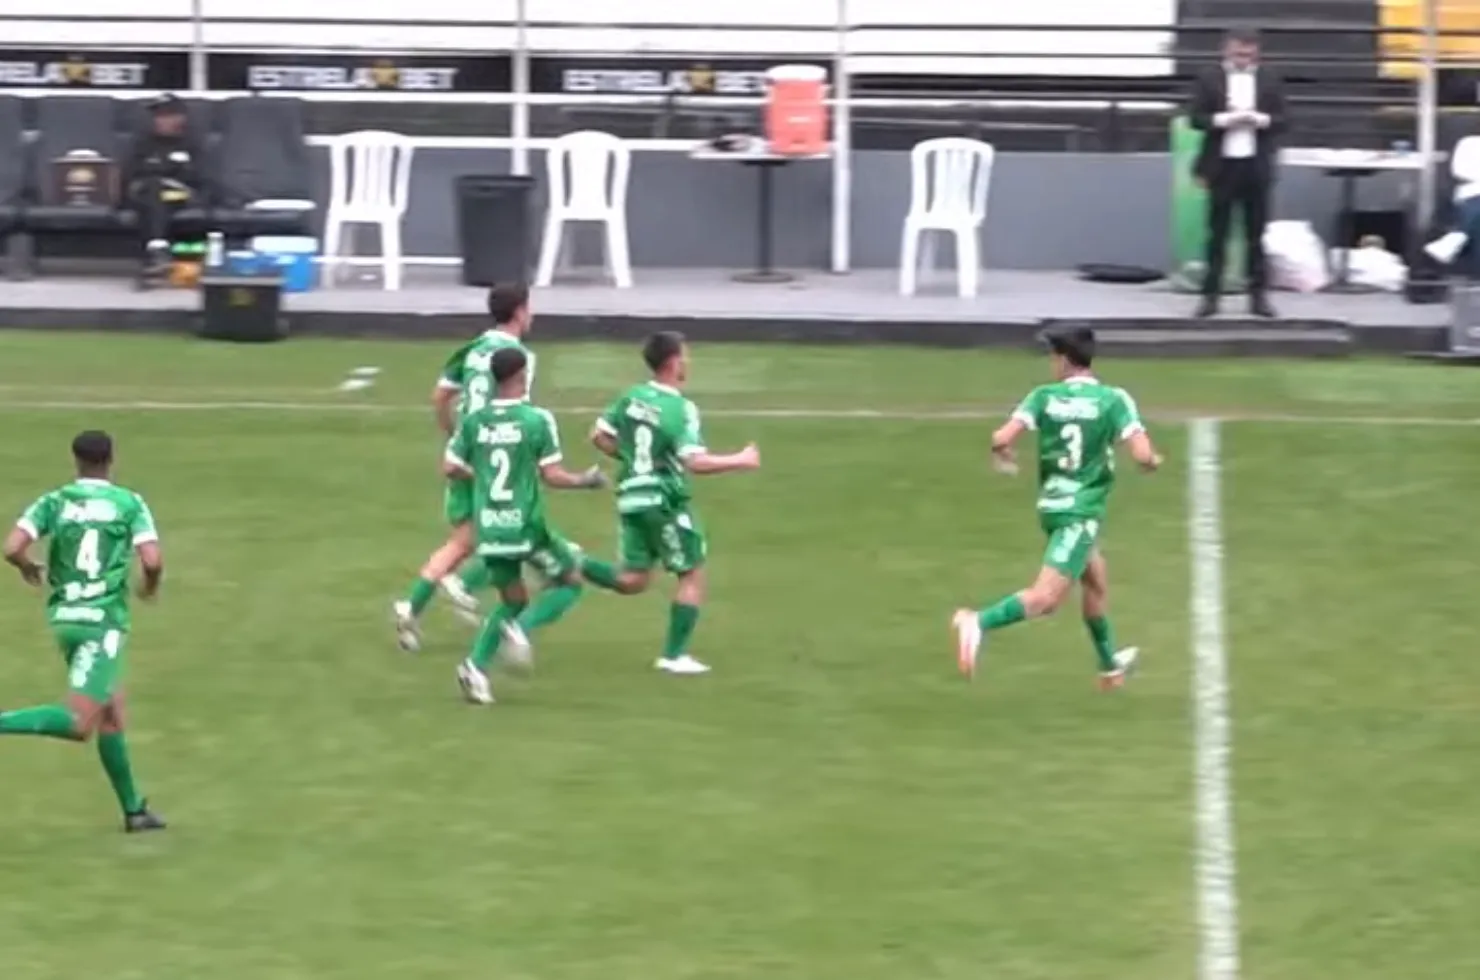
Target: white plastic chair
369 182
594 189
949 178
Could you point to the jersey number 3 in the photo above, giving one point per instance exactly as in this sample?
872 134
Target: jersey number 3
1074 448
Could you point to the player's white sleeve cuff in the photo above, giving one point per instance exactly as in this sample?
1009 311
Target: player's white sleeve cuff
146 537
688 451
1026 419
552 458
1131 430
602 425
447 384
457 461
29 528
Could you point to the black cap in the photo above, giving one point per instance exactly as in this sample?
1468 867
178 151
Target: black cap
166 103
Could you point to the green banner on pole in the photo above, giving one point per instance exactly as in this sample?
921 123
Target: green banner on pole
1190 219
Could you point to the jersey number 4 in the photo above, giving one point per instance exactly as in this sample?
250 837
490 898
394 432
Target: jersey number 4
87 560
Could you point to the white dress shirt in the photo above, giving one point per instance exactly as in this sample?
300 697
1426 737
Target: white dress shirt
1239 142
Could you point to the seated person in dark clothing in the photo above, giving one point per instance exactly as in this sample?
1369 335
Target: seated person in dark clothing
165 175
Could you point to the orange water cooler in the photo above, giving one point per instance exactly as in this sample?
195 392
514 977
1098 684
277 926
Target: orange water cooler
796 110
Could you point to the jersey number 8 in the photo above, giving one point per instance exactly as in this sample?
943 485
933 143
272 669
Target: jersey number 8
642 451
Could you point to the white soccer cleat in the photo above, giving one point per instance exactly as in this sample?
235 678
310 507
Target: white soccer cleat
517 651
408 630
1125 665
684 664
474 683
968 640
464 603
1447 248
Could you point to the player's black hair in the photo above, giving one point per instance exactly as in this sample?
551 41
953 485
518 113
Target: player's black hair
1075 344
1242 34
505 302
93 449
506 363
662 347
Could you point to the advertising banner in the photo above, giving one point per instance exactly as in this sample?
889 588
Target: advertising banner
618 75
59 68
305 72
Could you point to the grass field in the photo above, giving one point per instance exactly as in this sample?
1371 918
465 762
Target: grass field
833 803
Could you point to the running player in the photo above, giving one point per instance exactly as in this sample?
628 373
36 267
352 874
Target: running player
504 451
95 529
464 387
1079 421
653 432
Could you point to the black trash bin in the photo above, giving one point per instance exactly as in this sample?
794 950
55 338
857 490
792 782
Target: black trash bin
495 228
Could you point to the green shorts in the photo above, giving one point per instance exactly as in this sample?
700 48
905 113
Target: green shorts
457 502
1071 544
670 538
548 552
94 656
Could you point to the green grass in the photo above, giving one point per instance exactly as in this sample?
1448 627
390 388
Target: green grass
833 802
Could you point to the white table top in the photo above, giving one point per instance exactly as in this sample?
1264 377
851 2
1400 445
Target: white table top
757 152
1319 158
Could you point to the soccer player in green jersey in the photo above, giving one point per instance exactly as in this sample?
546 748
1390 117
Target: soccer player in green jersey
464 387
95 528
505 450
653 433
1079 422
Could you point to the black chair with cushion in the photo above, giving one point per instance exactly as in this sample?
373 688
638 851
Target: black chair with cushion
65 124
264 177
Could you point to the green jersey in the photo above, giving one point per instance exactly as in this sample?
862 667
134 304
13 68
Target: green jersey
503 446
655 427
93 527
1079 422
467 369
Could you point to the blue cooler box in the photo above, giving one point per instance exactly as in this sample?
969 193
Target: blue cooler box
293 256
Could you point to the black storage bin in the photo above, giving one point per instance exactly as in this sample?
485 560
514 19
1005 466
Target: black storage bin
494 226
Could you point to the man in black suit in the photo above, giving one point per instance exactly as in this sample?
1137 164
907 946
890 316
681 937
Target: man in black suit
1240 106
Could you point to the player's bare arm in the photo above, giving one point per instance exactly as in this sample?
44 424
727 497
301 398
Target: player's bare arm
1139 445
557 476
444 404
604 441
151 566
18 555
456 469
1003 456
705 463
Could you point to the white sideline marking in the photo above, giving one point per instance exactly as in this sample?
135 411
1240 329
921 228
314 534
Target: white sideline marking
1217 892
802 414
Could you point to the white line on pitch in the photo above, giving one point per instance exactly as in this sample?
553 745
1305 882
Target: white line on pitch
800 414
1217 892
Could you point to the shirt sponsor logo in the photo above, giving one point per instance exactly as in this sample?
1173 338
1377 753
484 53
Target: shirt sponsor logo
501 517
89 512
644 413
1072 409
500 434
78 614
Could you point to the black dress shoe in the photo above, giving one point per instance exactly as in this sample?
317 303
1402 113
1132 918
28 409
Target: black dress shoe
1259 306
1207 308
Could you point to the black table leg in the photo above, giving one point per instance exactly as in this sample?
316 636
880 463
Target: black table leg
764 233
1346 221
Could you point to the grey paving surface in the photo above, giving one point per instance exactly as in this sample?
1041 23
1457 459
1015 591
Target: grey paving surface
1005 297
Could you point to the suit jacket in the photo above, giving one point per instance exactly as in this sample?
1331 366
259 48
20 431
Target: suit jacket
1210 97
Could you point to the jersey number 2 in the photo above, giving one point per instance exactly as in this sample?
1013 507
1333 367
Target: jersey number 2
87 554
642 451
498 488
1074 444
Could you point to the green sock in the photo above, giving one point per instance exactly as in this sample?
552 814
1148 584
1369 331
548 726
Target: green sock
549 607
681 622
51 720
1104 640
602 574
113 751
421 593
476 575
491 635
1004 613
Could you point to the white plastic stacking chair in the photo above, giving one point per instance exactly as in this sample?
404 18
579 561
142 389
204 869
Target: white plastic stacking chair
587 182
949 179
369 182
